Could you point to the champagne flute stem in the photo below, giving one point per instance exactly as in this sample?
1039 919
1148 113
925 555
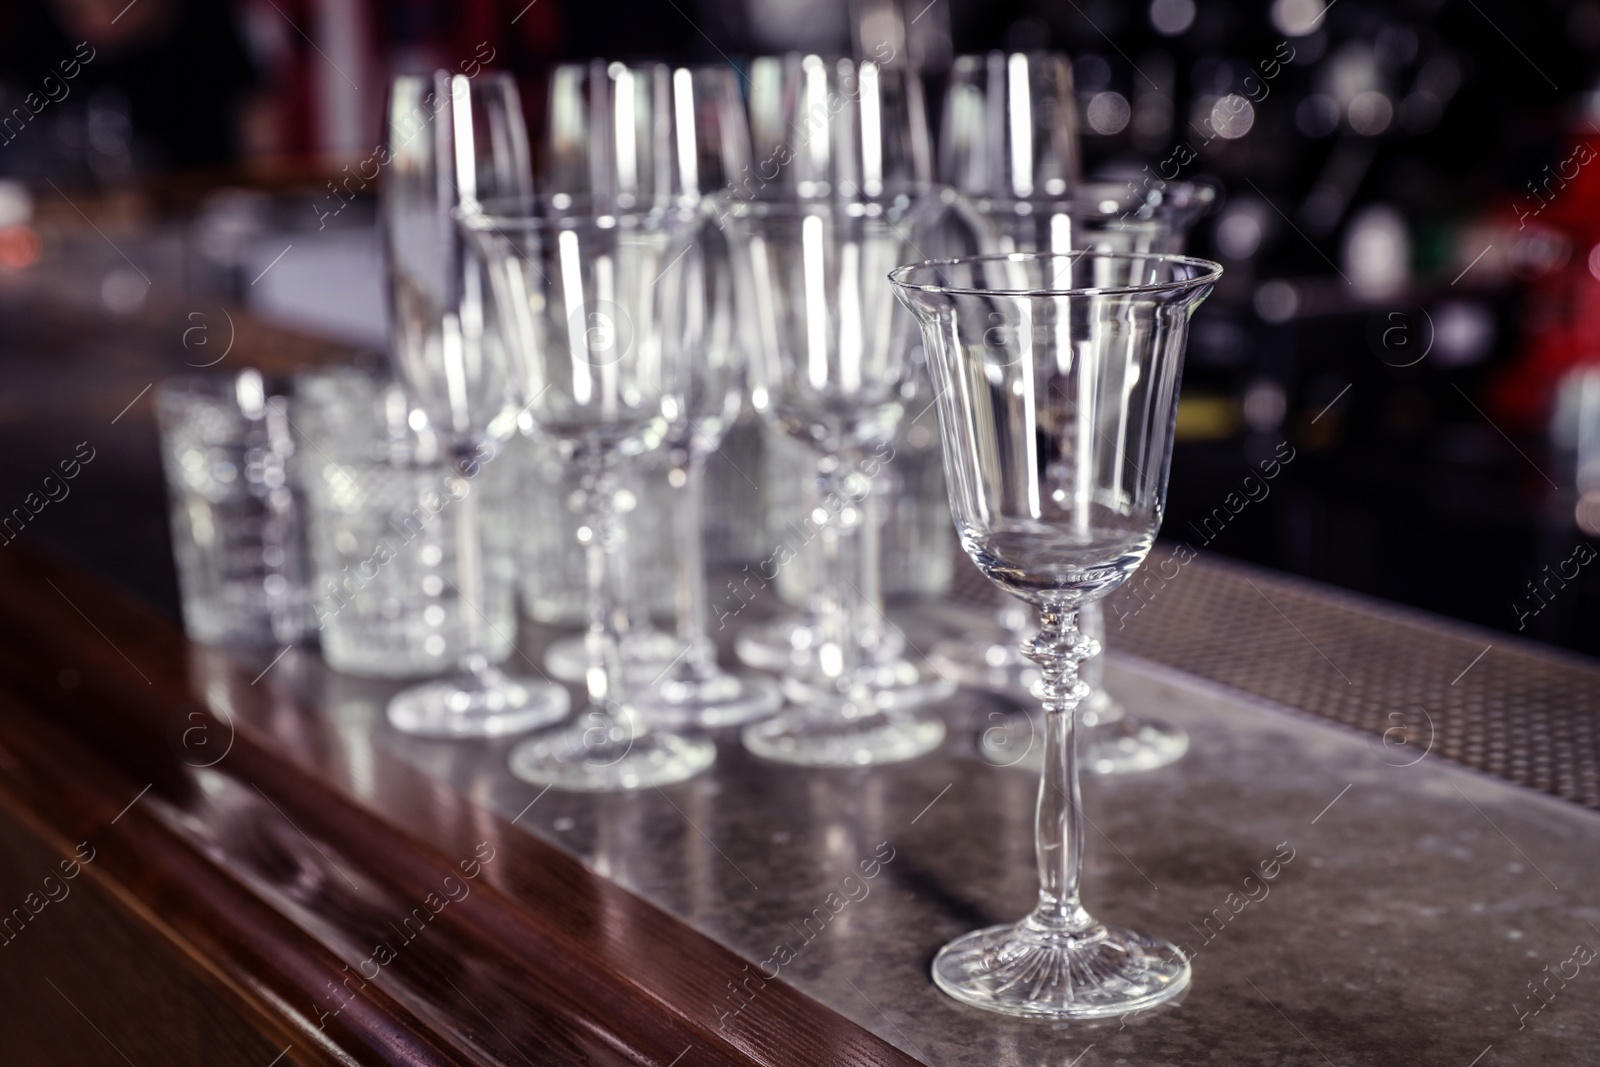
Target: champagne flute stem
689 531
1058 649
470 581
604 540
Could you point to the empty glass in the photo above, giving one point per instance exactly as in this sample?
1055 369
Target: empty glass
854 136
549 559
455 140
379 494
1057 381
612 144
589 306
693 690
237 532
835 368
1010 148
1010 126
698 142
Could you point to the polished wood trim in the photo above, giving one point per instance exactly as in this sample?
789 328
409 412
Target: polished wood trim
273 870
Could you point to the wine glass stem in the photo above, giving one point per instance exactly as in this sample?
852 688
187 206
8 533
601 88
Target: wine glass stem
471 584
839 657
870 618
1058 649
604 539
688 510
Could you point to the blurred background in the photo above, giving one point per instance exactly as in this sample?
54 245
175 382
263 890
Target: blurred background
1410 225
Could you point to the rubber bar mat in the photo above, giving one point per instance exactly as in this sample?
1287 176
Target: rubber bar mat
1421 684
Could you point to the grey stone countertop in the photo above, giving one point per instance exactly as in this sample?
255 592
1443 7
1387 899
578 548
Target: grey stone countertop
1420 913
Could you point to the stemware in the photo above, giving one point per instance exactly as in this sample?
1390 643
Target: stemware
854 136
454 140
835 370
1057 379
1009 146
1010 126
1103 216
592 308
608 145
707 143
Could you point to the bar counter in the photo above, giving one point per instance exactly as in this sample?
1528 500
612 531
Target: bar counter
1380 847
272 869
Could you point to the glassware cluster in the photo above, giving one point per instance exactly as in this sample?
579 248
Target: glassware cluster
705 251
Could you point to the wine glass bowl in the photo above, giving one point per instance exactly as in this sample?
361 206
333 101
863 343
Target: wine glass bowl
1056 377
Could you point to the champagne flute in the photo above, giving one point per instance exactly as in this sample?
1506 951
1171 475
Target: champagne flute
706 144
1034 357
454 140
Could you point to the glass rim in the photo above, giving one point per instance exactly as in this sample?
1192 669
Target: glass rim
893 205
540 214
1209 272
1103 197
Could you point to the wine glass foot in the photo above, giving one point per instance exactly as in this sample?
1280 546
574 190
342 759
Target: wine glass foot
1123 746
1026 969
989 661
605 758
1131 744
710 702
790 642
645 654
492 704
800 736
897 683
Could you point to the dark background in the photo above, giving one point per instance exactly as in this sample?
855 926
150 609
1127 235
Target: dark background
1419 409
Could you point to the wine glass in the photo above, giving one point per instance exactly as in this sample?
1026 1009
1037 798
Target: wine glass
855 136
1009 146
591 308
704 143
608 144
1057 382
835 369
454 140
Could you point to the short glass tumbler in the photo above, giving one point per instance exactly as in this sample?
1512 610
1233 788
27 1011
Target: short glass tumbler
237 534
381 499
1057 384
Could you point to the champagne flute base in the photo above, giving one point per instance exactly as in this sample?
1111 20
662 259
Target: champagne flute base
491 704
807 738
896 683
596 754
1030 970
